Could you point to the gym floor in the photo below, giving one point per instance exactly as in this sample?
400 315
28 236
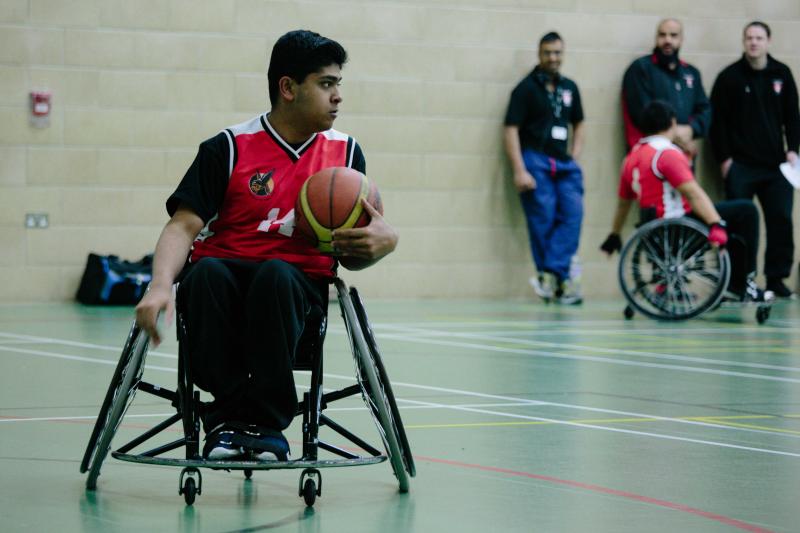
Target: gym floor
521 417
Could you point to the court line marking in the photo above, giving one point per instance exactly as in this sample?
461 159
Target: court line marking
540 353
619 430
716 420
425 387
733 522
339 330
482 395
553 326
719 420
636 353
50 340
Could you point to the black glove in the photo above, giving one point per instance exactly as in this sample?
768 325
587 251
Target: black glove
612 244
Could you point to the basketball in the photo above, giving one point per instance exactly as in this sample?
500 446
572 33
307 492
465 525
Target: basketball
331 200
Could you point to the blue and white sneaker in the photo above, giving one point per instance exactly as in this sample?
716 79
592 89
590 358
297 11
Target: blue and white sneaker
220 444
267 444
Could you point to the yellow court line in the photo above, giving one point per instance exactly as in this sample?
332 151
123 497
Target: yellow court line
751 426
719 419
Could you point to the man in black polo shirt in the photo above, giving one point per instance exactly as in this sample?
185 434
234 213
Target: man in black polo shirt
756 127
662 75
543 106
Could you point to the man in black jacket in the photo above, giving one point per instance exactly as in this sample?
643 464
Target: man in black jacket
755 128
662 75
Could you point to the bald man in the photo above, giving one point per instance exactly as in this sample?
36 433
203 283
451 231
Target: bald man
662 75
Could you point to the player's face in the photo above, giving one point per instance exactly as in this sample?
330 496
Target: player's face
669 37
318 98
756 42
550 56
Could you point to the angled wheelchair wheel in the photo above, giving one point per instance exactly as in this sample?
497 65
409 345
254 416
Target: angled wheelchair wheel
373 389
669 271
118 398
405 447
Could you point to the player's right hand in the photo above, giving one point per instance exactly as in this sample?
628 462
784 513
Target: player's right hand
154 301
613 243
524 182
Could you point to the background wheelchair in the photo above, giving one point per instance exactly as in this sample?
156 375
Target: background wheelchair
669 271
372 383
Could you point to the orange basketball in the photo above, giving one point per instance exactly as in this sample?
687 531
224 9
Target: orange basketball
331 200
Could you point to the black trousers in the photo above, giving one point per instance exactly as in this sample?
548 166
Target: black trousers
776 196
742 219
244 320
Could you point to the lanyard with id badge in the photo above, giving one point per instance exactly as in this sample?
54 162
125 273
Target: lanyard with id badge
558 98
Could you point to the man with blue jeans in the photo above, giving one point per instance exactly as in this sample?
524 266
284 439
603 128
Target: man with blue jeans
541 110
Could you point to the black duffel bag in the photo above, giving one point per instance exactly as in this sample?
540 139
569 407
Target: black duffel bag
109 280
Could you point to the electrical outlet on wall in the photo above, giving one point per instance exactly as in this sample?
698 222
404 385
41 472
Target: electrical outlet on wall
37 220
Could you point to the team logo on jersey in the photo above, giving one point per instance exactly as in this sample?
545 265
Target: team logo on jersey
689 79
262 184
566 97
777 86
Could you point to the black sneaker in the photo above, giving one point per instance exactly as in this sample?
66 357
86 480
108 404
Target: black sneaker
777 286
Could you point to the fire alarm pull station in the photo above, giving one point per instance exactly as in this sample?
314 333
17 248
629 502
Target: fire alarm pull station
40 108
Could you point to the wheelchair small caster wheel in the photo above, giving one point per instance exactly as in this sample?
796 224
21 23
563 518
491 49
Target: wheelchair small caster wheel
762 314
187 486
628 312
189 490
308 488
309 492
248 473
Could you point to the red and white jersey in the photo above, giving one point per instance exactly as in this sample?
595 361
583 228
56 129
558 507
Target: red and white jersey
246 193
652 173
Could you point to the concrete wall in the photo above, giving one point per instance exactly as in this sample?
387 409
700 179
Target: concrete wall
137 84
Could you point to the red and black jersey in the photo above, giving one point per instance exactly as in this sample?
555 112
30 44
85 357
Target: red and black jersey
652 173
244 183
647 79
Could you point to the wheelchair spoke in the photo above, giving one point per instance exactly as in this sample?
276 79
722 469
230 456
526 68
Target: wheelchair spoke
653 254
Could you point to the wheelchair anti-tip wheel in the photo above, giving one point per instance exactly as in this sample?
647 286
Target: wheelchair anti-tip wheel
119 396
374 392
669 271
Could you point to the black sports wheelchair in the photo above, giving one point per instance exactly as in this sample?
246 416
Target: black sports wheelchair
372 383
669 271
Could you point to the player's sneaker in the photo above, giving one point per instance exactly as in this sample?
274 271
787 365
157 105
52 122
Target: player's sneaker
220 444
777 286
568 293
544 285
752 293
267 444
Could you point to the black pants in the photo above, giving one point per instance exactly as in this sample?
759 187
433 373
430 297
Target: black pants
776 196
244 320
742 219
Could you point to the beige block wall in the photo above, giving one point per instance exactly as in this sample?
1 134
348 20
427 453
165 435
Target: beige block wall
138 84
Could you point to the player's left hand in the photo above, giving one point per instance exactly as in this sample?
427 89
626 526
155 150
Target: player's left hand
371 242
613 243
718 235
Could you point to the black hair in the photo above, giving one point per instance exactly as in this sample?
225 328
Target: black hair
549 38
759 24
298 54
657 116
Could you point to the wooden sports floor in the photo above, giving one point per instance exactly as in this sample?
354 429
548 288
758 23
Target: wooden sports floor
522 417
